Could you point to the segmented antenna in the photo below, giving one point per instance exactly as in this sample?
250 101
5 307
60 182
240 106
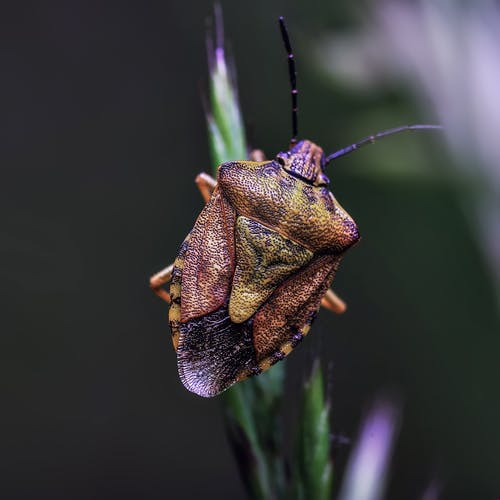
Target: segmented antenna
372 138
293 78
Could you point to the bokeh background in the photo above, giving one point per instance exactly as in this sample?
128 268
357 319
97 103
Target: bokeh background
103 133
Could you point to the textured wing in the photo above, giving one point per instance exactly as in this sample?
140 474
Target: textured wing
209 260
204 266
282 322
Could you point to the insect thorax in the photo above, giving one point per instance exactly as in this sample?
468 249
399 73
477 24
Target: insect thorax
282 195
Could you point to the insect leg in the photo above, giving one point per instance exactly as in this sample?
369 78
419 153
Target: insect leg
257 155
206 184
333 302
158 280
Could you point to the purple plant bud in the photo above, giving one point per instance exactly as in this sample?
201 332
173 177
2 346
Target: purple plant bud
367 469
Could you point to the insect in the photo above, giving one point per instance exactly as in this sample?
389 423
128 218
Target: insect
253 272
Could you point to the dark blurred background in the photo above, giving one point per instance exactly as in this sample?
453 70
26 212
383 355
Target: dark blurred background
103 133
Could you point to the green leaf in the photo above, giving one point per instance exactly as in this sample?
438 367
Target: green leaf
225 123
313 470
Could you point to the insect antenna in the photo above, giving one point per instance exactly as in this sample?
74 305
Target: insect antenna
293 78
372 138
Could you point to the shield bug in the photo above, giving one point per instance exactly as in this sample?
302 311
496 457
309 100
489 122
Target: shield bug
253 272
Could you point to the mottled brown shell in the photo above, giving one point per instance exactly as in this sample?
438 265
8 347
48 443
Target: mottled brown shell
249 278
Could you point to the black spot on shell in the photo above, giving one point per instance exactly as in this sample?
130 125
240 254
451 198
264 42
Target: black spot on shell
277 356
297 337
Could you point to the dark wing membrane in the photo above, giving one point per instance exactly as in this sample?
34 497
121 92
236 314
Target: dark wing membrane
286 317
209 261
213 351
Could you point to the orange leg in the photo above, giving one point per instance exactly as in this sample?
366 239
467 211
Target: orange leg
333 302
257 155
158 280
206 185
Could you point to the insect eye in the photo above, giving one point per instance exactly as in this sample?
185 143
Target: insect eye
281 161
